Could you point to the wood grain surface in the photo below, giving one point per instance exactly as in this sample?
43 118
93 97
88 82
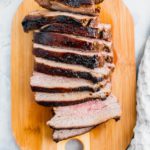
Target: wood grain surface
29 119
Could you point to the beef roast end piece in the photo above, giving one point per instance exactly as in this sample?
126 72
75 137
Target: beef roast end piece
59 135
87 114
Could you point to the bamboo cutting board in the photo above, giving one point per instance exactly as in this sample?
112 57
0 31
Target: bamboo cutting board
29 119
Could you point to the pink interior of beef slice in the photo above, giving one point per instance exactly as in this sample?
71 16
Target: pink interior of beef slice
56 84
87 114
62 99
76 6
59 135
73 71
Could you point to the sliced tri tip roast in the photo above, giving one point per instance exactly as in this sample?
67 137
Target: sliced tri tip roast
73 65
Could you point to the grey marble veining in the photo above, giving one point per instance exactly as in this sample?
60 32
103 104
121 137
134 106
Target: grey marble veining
141 13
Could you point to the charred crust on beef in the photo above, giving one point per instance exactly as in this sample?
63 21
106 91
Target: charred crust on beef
77 6
31 23
76 3
62 90
65 72
71 3
106 49
57 84
36 22
71 98
71 29
69 58
77 30
117 118
108 59
55 39
64 103
44 3
66 41
37 19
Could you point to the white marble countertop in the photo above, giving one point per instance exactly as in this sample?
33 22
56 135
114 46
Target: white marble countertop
140 11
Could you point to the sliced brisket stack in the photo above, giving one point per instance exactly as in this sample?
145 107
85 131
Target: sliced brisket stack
73 64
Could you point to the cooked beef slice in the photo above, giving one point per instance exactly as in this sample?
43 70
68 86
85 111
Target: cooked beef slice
73 71
76 6
36 19
63 99
56 84
69 57
103 32
63 134
71 41
86 114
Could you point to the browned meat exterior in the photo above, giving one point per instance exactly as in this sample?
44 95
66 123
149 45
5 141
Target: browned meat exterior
64 99
66 72
73 71
76 6
108 57
100 33
70 57
87 59
71 41
56 84
76 3
87 114
73 62
70 29
63 134
37 19
105 31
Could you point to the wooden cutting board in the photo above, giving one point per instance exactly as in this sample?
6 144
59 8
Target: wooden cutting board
29 119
